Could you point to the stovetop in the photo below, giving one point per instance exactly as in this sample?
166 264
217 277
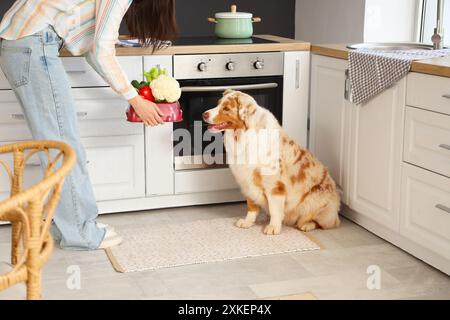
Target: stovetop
201 41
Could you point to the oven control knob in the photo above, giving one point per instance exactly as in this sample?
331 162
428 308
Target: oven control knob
231 66
202 67
258 65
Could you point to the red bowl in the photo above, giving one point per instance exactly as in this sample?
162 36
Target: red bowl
171 113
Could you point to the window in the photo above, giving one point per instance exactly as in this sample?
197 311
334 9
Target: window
429 21
392 21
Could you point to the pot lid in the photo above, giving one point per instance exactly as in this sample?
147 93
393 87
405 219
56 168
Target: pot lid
233 14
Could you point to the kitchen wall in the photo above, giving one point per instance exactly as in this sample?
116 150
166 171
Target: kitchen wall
391 21
330 21
278 15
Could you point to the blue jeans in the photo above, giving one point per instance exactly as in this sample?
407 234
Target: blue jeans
37 76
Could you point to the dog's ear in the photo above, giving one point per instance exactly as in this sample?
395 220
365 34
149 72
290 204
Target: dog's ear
228 91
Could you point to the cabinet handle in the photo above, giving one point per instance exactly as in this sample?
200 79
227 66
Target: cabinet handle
82 114
443 208
18 116
347 85
33 164
447 96
445 146
76 71
297 74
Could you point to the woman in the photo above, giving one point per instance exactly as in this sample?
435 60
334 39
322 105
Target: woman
32 32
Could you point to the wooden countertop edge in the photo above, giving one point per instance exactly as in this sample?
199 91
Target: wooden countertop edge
284 44
431 69
436 67
330 51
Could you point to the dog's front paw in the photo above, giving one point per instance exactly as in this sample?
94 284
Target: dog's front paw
244 224
272 230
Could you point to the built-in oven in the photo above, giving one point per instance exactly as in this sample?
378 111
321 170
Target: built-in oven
203 79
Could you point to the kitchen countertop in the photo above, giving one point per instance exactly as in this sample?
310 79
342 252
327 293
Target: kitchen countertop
281 44
435 66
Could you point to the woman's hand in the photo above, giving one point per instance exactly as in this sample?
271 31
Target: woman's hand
147 111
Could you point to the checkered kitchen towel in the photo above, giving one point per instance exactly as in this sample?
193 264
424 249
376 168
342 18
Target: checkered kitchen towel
373 71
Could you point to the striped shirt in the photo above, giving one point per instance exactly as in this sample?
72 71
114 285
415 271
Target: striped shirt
88 27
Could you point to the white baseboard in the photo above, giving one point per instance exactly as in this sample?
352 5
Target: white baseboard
170 201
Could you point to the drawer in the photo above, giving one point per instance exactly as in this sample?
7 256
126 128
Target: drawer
193 181
427 140
425 214
82 75
100 111
116 168
428 92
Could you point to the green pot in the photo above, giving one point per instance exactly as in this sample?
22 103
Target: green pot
234 25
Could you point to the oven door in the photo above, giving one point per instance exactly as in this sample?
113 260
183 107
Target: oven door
201 95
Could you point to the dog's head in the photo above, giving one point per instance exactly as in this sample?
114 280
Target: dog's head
232 112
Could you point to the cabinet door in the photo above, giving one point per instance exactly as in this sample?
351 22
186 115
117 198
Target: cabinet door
425 215
159 160
159 144
295 95
376 156
116 166
329 117
82 75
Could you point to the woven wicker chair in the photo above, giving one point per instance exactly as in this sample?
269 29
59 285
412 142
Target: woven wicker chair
30 211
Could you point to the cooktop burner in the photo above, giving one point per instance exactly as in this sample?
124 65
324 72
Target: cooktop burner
201 41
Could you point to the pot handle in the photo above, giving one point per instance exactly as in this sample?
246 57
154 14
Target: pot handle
256 19
212 20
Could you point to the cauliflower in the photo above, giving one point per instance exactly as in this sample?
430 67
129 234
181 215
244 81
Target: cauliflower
166 88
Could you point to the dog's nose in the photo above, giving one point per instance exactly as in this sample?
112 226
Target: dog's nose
205 115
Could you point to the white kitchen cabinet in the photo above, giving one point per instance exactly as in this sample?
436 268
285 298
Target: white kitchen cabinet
427 140
115 148
82 75
159 144
116 166
376 144
100 112
295 95
365 145
360 144
329 118
429 92
425 217
159 160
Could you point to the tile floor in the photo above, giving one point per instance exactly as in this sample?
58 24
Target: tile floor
336 272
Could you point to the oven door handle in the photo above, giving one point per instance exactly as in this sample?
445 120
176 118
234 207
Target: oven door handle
223 88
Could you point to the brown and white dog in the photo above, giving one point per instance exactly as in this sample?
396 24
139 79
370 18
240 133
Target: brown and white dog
293 187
